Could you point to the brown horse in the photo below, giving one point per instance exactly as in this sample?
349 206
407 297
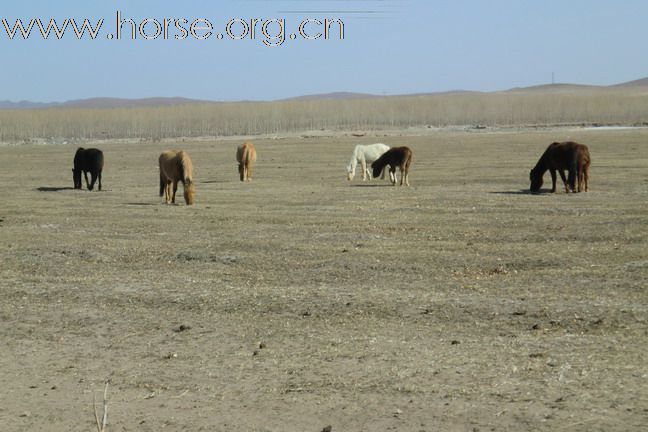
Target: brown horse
400 157
246 156
176 166
570 156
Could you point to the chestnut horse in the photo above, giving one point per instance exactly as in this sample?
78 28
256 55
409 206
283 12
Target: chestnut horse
87 161
400 157
570 156
245 156
176 166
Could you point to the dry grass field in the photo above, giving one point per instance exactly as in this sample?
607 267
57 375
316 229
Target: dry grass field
301 300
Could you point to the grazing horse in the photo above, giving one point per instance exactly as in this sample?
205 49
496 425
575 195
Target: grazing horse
87 160
570 156
365 154
176 166
400 157
246 156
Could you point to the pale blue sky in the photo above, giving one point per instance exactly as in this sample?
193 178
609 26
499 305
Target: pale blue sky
390 47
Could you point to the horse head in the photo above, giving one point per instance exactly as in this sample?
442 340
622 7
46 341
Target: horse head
377 169
76 178
536 180
189 192
350 172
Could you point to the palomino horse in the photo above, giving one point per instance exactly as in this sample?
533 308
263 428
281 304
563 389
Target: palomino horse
87 160
365 154
175 166
570 156
400 157
246 156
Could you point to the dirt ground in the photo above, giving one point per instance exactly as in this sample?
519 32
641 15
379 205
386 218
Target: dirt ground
302 300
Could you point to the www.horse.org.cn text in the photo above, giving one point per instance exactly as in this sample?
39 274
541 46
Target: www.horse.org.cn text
271 32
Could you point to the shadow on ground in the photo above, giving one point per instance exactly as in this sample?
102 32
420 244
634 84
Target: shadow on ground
52 189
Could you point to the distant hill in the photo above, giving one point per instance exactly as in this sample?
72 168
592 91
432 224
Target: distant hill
103 102
107 102
5 104
555 88
331 96
643 82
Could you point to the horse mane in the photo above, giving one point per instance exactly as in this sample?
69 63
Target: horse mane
185 167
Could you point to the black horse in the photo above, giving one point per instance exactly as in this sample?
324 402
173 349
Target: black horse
87 160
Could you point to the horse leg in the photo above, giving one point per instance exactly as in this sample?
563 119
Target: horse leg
167 192
572 177
564 179
363 165
99 178
93 179
249 171
553 180
392 172
85 175
175 189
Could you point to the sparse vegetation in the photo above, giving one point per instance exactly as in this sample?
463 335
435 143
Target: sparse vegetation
302 300
568 106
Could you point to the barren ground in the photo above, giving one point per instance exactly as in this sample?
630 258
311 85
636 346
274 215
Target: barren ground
302 300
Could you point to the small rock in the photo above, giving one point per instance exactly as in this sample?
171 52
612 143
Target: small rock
181 328
328 428
455 342
262 345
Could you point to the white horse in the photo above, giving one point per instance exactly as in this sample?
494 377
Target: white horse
365 155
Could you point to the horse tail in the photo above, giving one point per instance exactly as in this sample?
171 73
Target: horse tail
573 171
162 183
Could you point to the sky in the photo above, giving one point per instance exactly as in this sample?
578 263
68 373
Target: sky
389 47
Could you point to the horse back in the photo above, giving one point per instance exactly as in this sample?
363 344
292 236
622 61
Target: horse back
564 155
91 159
168 162
246 153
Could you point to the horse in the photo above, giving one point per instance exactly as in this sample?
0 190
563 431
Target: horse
400 157
87 160
561 156
246 156
175 166
365 154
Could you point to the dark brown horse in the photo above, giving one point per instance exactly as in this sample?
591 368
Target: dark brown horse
570 156
175 166
400 157
87 161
